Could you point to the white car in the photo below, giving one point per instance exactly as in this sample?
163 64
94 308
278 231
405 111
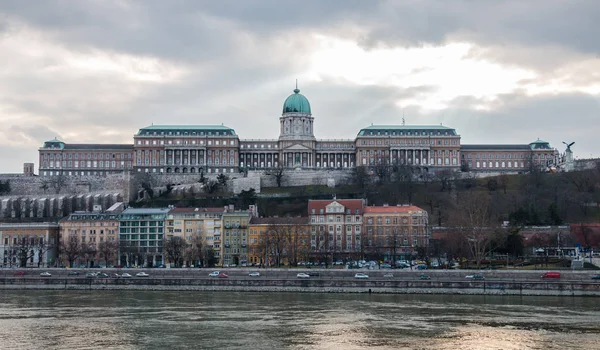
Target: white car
303 275
45 274
254 274
361 276
142 274
214 274
388 275
125 275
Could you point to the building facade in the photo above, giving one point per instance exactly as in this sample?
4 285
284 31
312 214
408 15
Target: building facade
91 237
277 241
28 244
234 240
218 149
336 228
193 224
395 232
141 236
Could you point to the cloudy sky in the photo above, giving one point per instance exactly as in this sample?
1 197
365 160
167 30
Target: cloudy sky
498 71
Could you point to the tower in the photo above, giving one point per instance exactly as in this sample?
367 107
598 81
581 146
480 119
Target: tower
296 137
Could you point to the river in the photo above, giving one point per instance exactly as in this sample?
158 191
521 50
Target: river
256 321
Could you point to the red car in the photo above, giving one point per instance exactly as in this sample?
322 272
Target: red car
19 273
222 275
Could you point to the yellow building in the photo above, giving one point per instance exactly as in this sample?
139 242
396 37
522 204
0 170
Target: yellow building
90 239
200 228
28 244
278 241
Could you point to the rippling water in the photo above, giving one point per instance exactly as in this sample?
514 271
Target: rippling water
252 321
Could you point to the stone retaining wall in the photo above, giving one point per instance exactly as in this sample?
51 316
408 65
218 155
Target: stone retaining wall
308 285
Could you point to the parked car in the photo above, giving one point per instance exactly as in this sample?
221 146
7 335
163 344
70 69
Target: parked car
19 273
214 274
475 277
424 277
126 275
597 277
142 274
73 273
551 275
361 276
385 266
45 274
303 275
254 274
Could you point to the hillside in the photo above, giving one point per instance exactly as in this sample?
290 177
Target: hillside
535 198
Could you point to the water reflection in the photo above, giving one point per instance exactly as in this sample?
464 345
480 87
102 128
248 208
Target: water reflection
159 320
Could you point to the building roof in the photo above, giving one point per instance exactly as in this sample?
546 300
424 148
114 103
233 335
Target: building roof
145 211
98 146
90 216
196 210
302 220
296 103
352 204
494 148
191 130
393 209
408 130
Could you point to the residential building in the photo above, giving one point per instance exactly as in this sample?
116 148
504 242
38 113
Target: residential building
234 243
141 236
335 229
394 232
91 237
278 241
28 244
218 149
193 224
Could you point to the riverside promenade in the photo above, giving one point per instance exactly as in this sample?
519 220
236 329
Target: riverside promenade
496 282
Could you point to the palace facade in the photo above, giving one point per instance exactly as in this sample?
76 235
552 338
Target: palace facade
218 149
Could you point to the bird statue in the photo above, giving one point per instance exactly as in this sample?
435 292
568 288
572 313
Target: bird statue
569 145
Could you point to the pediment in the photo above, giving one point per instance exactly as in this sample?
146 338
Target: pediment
297 147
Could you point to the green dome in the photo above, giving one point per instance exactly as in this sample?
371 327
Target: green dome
296 103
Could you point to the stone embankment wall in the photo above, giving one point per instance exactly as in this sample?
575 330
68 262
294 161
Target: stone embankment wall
572 283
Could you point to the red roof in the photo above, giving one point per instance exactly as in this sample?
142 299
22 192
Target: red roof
352 204
392 209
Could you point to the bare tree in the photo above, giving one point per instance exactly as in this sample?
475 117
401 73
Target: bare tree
108 251
58 182
71 250
382 169
473 217
25 249
279 173
88 251
195 250
175 249
41 247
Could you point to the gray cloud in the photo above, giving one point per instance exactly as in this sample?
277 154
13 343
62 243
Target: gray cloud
239 60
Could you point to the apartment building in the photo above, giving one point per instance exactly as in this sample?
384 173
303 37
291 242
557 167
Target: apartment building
28 244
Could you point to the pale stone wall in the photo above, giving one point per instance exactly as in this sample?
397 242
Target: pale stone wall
56 206
245 184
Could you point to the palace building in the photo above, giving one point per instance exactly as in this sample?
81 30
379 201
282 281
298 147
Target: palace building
218 149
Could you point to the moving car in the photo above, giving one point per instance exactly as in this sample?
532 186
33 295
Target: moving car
73 273
45 274
19 273
125 275
142 274
361 276
475 277
90 275
214 274
424 277
597 277
551 275
102 275
254 274
388 275
303 275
